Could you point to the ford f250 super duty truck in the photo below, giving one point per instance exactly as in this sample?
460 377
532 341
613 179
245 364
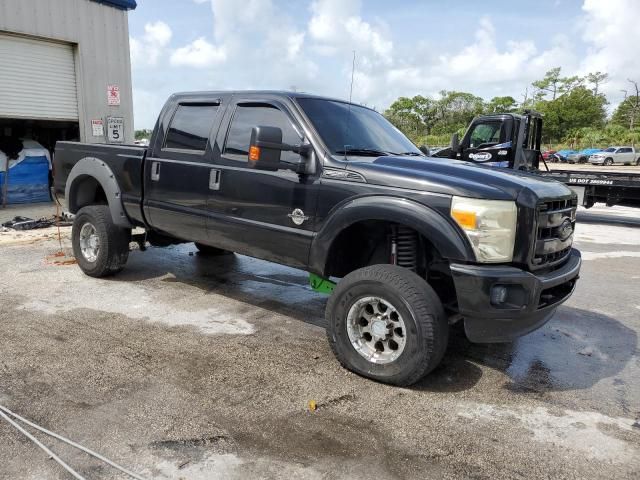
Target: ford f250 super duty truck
405 244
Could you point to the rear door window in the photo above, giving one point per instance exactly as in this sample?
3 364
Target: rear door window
190 127
249 115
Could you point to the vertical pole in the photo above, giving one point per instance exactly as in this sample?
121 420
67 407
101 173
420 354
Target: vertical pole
5 184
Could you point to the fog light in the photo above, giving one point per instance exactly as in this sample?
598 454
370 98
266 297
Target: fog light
498 295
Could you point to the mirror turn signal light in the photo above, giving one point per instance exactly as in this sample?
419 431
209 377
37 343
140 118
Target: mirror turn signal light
254 153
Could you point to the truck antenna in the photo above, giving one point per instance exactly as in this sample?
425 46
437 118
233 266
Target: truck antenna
353 69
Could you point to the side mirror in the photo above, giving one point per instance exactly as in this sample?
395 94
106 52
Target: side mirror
424 149
455 144
265 148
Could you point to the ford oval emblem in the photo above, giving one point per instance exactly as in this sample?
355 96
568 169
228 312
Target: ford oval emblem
565 230
480 156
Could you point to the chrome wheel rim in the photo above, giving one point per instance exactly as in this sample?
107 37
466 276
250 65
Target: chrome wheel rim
376 330
89 242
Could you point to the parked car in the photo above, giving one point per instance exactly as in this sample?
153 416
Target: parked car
333 188
615 155
547 154
562 155
582 156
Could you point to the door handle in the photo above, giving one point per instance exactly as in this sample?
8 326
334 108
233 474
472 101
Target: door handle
214 179
155 171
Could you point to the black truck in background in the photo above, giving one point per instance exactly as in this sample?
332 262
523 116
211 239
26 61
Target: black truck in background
414 244
513 141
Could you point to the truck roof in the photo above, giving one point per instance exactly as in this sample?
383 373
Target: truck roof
274 93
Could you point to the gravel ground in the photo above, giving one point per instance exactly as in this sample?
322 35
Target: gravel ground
198 368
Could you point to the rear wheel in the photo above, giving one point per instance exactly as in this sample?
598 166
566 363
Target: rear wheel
608 161
101 248
386 323
211 251
638 161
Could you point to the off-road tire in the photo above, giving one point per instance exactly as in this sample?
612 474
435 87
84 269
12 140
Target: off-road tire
211 251
114 242
427 331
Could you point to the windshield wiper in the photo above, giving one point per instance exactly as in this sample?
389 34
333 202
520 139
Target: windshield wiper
365 152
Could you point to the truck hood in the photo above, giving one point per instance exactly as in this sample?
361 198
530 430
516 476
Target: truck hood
454 177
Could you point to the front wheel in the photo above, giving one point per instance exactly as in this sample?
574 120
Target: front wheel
386 323
607 162
101 248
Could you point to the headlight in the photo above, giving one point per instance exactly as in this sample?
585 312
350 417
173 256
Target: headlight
490 226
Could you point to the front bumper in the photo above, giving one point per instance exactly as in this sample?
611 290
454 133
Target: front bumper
530 302
596 161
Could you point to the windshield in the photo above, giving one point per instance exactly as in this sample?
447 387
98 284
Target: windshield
610 149
354 130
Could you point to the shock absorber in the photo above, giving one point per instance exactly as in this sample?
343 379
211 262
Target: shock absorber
404 247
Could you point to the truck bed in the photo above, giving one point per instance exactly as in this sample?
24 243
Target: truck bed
602 186
125 161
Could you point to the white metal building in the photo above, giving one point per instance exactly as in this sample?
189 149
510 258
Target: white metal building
65 70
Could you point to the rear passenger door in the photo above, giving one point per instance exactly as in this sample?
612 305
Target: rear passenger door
177 172
626 155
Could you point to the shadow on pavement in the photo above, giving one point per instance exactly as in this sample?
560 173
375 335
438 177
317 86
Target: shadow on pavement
575 350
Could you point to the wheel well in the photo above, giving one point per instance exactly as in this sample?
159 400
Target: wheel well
369 242
86 190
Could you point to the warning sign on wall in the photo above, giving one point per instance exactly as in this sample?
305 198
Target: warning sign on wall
115 129
113 95
97 127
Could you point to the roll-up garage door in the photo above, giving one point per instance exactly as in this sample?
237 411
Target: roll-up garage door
37 79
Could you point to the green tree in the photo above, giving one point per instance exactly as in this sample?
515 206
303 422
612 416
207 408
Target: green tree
454 111
501 104
628 112
144 133
596 79
577 109
549 84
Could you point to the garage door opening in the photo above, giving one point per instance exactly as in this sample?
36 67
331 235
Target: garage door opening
26 147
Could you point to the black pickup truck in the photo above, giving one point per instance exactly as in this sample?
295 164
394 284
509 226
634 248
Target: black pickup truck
405 244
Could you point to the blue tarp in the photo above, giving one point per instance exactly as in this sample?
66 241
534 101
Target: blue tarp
28 181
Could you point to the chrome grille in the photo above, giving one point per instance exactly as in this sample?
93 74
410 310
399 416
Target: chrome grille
556 222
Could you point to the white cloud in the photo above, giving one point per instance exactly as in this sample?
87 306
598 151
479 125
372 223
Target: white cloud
199 54
262 45
611 31
146 50
336 25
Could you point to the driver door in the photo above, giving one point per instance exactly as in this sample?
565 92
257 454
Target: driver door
485 143
260 213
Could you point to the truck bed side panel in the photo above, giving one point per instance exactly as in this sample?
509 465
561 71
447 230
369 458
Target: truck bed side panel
125 161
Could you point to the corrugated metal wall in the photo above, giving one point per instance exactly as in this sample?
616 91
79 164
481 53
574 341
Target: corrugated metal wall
99 35
37 80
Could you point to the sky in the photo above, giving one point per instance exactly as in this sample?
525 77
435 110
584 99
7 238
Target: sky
402 47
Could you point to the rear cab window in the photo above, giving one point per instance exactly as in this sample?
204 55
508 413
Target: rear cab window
190 127
249 115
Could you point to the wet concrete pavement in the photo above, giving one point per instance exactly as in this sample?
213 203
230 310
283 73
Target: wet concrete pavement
191 367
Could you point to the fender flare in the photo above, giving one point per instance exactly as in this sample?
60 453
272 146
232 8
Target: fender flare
445 237
98 170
